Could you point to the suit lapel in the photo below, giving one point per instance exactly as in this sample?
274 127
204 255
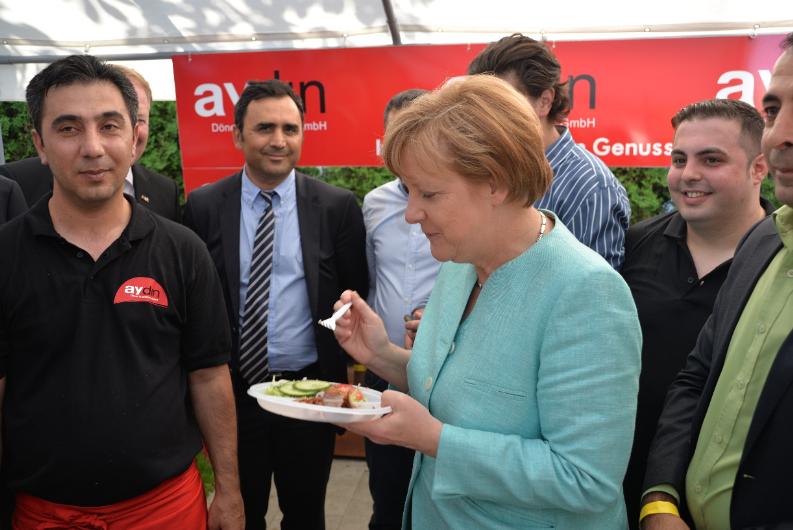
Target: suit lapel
229 214
309 223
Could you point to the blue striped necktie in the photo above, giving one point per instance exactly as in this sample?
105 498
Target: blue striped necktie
253 336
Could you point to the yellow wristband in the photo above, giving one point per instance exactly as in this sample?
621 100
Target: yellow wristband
651 508
358 368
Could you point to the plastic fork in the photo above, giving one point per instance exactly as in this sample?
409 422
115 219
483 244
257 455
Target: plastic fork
330 323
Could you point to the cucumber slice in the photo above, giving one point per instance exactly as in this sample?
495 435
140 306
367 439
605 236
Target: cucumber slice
312 385
275 390
288 389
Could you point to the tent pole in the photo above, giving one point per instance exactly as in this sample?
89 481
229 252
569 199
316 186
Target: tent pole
393 26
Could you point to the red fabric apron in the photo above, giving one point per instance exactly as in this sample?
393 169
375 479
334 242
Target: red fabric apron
176 504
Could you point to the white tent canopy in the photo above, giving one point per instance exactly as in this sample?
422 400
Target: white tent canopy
145 33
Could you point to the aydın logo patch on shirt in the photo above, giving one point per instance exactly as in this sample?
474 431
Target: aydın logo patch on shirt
141 289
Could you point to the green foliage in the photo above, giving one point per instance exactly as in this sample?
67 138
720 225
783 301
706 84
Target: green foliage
767 191
162 152
205 470
359 180
15 124
646 189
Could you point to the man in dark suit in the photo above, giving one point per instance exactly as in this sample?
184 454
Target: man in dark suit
12 202
157 192
721 454
317 251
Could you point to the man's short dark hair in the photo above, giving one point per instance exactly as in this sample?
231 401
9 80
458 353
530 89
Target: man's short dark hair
727 109
401 100
532 62
256 90
787 44
72 70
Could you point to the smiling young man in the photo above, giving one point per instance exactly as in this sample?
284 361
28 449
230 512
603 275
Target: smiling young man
109 337
675 263
286 245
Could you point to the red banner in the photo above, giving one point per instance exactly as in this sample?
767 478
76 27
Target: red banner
624 94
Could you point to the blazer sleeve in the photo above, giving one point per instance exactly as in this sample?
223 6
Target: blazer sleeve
193 217
176 206
157 192
12 201
670 451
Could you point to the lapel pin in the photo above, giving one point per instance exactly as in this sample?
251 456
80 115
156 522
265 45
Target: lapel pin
144 198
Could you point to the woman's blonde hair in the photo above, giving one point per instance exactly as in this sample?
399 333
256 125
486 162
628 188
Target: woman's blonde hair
479 127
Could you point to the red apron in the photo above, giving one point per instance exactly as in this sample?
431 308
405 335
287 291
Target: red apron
176 504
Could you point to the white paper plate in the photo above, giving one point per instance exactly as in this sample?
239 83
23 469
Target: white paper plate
284 406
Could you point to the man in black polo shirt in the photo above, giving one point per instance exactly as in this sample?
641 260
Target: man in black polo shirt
113 334
675 263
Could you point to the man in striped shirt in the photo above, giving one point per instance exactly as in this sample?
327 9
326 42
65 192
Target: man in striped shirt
585 195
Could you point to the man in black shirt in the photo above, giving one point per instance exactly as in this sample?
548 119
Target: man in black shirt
675 263
113 335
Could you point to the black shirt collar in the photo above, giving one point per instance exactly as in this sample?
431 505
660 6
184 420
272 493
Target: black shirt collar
676 228
139 226
767 206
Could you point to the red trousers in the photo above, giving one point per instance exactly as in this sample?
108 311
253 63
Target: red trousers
176 504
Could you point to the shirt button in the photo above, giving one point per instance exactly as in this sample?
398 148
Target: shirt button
740 384
428 383
698 488
80 254
691 279
451 348
761 328
719 438
789 273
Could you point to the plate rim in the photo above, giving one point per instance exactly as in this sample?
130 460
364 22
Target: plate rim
255 391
